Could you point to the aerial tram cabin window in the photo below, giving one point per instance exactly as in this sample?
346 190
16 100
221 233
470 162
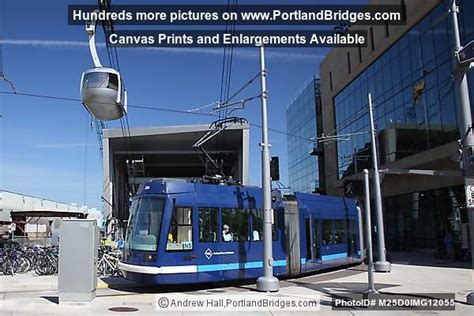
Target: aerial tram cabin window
257 223
100 80
235 224
180 236
208 224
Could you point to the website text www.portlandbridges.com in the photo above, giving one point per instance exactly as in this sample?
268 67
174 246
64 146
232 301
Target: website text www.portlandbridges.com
321 15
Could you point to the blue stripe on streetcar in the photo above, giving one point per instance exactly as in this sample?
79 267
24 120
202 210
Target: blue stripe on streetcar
236 266
334 256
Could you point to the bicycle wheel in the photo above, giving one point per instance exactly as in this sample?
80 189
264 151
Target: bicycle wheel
23 265
119 273
42 266
9 267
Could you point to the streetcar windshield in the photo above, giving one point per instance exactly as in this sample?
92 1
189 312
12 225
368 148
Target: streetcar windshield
144 224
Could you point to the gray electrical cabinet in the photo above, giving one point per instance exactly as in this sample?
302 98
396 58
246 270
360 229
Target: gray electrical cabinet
78 246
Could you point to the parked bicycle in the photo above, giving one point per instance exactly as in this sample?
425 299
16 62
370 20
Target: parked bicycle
21 259
108 262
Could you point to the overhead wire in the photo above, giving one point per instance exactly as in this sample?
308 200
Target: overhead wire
2 74
145 107
223 88
200 108
229 73
86 144
248 83
114 62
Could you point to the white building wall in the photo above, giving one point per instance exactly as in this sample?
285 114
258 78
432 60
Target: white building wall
11 201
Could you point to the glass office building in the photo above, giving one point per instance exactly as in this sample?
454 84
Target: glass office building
415 111
301 128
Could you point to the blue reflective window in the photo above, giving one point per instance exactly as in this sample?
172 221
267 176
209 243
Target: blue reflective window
412 92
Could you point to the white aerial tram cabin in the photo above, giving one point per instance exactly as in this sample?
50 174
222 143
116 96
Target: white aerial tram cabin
102 90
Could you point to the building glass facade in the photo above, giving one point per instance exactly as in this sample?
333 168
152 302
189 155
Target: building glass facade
420 219
412 93
414 110
301 128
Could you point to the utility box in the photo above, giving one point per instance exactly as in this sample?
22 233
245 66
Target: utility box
78 251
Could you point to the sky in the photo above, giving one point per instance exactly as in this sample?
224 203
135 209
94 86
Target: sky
48 148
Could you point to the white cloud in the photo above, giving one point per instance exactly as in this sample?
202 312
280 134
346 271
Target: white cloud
272 53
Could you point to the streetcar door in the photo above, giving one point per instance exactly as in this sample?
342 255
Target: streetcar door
313 239
352 229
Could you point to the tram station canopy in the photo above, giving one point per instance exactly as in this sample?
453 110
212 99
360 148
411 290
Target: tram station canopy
130 159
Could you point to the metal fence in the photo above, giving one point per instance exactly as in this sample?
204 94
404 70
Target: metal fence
28 241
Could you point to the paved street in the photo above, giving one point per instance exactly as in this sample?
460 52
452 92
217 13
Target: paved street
34 295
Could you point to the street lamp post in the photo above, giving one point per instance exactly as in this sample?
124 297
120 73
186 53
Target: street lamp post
382 265
267 282
465 129
368 233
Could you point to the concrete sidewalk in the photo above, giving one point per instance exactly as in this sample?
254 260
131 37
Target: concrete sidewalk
34 295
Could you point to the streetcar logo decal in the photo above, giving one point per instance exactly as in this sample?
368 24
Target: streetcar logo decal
209 253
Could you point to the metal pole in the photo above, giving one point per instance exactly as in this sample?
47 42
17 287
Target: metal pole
368 233
267 282
465 125
382 265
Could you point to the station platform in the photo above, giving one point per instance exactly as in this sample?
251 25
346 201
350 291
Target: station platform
27 294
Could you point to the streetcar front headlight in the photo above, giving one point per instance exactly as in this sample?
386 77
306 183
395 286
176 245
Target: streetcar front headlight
149 257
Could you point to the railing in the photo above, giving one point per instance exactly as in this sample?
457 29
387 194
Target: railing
29 241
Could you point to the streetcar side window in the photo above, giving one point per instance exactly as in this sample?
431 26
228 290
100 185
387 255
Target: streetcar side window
180 236
208 224
275 225
257 221
339 232
309 243
352 235
235 224
326 225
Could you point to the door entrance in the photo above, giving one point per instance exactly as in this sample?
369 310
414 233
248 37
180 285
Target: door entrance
313 239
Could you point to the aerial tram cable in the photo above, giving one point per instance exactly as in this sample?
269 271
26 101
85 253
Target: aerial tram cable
229 69
146 107
3 77
108 28
218 126
86 144
114 62
103 91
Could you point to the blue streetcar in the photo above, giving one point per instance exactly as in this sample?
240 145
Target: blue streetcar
182 232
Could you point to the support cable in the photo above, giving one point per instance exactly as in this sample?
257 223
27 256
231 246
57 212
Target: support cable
145 107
